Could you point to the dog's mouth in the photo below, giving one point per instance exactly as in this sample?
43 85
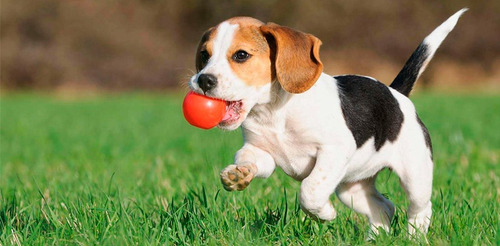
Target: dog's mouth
233 113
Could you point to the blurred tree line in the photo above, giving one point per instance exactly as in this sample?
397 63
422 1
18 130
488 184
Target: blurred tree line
150 44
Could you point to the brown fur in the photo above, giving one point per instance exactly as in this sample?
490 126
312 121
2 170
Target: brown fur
297 64
290 56
245 21
257 70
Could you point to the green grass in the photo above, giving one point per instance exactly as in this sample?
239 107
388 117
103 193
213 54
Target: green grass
127 169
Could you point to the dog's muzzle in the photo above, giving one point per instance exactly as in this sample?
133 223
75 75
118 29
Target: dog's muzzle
207 82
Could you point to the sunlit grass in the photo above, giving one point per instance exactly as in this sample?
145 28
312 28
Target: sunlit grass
127 169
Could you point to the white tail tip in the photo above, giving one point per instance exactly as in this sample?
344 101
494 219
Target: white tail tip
439 34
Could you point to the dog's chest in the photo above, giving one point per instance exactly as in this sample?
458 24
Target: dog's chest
290 151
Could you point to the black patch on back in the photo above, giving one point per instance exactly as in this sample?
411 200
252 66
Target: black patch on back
427 136
408 75
370 109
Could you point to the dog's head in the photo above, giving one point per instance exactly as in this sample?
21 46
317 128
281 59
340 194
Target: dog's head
239 59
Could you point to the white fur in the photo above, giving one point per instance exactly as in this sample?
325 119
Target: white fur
306 135
229 87
308 138
434 40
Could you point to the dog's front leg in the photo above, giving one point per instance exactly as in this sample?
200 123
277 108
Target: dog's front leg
250 162
316 189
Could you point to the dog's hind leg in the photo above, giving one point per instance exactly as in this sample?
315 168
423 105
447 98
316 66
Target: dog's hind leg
416 180
363 197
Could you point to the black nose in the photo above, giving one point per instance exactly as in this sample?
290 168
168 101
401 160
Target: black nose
207 82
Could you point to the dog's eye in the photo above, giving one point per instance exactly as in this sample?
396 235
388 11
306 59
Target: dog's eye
241 56
204 56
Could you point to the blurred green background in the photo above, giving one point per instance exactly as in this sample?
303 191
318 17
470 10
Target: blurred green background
150 44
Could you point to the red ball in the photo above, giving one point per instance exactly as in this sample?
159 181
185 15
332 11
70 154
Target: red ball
203 112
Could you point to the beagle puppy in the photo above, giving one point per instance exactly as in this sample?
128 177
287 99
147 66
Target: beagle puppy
332 133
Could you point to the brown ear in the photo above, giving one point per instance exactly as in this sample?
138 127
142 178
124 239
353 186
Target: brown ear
297 60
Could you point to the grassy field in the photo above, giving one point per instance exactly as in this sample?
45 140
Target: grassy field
127 169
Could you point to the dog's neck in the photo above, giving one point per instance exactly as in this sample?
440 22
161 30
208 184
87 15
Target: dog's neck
272 111
279 97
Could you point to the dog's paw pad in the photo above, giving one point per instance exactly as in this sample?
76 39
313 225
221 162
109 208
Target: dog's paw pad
236 177
233 176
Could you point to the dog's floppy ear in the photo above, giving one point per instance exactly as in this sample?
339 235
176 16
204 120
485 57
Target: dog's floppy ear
296 62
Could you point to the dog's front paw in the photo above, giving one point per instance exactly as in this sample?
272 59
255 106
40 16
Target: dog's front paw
237 177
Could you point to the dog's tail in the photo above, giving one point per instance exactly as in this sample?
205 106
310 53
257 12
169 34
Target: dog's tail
417 62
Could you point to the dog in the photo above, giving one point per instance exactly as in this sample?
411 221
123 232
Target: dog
332 133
